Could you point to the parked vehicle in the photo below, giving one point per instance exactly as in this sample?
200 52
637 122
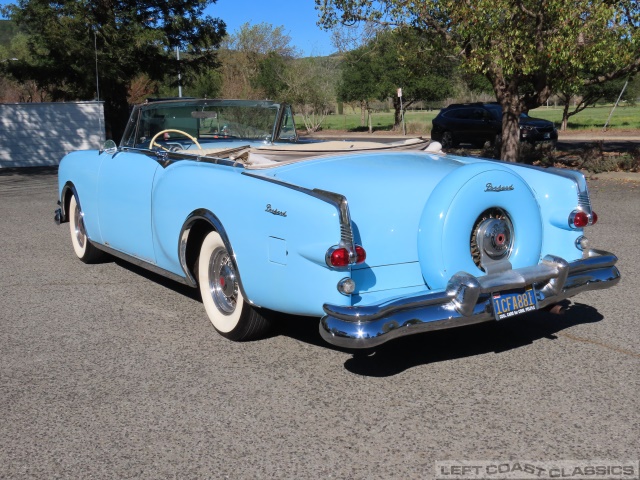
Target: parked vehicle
479 123
379 245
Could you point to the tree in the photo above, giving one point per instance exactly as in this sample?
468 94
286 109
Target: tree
129 38
527 49
310 88
400 58
268 78
587 95
247 56
13 46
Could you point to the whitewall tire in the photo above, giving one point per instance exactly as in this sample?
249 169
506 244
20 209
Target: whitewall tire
82 247
221 294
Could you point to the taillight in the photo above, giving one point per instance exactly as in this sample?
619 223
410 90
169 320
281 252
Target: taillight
338 257
579 219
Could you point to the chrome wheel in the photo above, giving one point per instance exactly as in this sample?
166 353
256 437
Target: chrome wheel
223 285
78 227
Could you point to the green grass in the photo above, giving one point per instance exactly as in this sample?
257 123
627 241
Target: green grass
419 122
594 117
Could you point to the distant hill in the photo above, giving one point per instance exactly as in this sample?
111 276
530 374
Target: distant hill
8 30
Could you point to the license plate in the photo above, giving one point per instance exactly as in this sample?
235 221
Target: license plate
514 302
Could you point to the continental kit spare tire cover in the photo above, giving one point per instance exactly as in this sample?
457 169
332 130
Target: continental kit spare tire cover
459 204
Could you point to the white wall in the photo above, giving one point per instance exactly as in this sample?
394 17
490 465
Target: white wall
36 134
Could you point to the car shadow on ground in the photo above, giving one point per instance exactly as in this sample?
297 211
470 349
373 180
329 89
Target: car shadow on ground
491 337
404 353
177 287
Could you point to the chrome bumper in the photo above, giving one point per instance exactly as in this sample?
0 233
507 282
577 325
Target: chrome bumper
466 300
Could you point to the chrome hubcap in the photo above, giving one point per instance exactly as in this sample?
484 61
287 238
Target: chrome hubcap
491 237
81 233
223 285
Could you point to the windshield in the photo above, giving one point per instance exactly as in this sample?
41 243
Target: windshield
208 122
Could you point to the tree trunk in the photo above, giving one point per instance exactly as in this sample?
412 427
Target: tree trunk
565 116
397 114
363 109
511 110
370 124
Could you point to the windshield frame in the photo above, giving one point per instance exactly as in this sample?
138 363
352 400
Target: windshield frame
132 136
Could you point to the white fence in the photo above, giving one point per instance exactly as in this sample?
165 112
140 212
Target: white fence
37 134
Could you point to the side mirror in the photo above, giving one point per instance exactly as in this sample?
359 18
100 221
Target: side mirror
109 147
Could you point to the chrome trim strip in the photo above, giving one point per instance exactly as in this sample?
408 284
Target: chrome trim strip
337 200
346 232
209 217
466 300
277 124
138 262
584 200
61 214
168 158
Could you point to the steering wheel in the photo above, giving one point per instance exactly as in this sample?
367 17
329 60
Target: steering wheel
153 140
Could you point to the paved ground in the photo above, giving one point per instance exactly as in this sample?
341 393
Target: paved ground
110 372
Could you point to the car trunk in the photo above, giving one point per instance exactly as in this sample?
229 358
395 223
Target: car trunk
385 203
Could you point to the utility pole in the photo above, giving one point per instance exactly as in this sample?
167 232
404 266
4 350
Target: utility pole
179 74
404 128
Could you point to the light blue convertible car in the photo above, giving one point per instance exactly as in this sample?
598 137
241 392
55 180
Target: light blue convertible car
377 244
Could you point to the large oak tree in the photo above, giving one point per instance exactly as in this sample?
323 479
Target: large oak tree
527 49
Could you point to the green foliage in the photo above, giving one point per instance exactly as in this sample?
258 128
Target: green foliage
527 49
132 37
399 58
269 76
260 39
253 58
310 88
8 30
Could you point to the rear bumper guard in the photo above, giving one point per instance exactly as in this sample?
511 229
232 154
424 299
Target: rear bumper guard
465 301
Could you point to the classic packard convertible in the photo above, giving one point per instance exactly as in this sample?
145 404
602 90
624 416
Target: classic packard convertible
376 243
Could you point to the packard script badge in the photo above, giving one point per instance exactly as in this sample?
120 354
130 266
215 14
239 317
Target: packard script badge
275 211
497 188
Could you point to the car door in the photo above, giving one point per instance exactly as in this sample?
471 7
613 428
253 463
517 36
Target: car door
487 128
124 202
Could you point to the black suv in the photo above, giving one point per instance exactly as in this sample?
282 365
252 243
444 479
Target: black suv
478 123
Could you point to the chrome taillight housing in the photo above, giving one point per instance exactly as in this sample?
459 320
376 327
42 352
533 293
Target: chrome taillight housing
340 257
580 219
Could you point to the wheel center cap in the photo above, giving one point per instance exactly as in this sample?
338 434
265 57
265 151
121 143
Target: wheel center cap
227 280
495 237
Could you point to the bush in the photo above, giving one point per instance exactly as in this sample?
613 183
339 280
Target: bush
539 153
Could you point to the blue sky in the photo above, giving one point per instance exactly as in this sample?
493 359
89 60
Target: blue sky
298 17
